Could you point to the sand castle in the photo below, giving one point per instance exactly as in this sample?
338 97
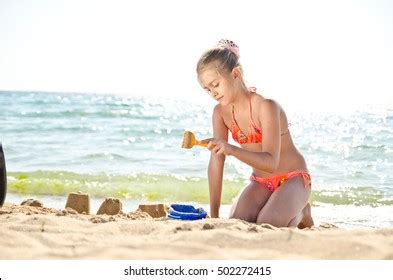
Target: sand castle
79 201
110 206
154 210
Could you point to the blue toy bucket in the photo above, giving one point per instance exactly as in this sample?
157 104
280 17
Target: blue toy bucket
186 212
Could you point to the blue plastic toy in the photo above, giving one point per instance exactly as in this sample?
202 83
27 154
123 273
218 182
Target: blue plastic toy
186 212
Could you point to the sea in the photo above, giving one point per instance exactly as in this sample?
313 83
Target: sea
130 148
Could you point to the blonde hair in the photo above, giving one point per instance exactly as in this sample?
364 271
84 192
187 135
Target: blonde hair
225 55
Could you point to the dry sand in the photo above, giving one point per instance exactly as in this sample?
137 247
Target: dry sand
29 232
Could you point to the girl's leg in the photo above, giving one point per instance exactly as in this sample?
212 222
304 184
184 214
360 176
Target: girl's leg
285 204
303 219
250 202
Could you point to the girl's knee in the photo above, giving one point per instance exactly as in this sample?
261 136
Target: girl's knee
243 215
273 218
249 202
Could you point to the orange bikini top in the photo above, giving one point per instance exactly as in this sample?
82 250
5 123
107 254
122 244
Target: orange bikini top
239 136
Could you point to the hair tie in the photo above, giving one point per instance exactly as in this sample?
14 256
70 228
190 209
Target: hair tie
229 45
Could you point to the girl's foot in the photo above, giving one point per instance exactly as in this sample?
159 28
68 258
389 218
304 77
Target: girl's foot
307 221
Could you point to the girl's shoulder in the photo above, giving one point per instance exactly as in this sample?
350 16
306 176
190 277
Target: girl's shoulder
264 103
219 111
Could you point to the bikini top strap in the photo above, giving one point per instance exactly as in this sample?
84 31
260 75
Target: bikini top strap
252 90
233 118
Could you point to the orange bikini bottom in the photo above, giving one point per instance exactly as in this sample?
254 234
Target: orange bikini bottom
272 183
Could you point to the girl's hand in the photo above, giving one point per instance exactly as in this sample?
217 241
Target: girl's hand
219 147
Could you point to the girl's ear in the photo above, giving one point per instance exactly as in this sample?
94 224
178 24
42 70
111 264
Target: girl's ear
236 72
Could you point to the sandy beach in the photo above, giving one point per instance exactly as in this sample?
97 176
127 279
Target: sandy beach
29 232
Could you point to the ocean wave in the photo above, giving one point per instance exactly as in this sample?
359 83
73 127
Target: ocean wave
138 186
158 187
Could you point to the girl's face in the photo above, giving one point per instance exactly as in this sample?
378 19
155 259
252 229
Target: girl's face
220 86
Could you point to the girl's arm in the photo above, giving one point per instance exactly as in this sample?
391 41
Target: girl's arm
268 159
216 164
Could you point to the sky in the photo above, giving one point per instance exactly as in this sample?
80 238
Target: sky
297 52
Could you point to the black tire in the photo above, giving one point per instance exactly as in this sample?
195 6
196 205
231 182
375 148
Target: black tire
3 177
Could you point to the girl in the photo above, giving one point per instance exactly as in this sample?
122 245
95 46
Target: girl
280 185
